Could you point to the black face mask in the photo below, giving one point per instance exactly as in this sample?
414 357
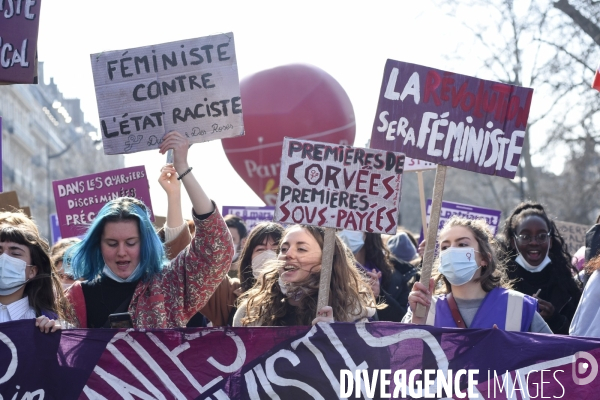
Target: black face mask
592 242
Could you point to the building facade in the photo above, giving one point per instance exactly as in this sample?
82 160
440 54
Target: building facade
46 138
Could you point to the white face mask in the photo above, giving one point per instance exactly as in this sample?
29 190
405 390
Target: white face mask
258 262
134 275
236 254
355 240
12 274
458 264
528 267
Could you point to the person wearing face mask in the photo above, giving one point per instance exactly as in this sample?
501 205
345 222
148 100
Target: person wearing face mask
125 267
539 264
259 248
388 276
29 286
177 235
286 293
474 291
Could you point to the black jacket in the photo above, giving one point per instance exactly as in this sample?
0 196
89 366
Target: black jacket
395 291
557 289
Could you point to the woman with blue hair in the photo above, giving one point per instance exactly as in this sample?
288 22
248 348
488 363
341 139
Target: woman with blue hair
125 269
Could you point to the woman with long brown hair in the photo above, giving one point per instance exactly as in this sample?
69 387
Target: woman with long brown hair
260 246
473 287
286 292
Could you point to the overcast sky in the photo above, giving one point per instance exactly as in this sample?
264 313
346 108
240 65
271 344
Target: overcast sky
349 40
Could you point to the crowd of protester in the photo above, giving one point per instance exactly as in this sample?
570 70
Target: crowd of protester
209 270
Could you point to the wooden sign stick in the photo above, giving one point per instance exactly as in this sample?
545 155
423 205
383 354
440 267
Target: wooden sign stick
326 265
431 237
422 200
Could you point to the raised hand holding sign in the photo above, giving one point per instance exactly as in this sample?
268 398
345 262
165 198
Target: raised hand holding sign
451 120
343 187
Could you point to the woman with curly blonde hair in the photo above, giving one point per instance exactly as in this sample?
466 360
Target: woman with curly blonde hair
286 293
473 290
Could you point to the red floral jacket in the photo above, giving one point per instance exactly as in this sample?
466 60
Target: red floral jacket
170 298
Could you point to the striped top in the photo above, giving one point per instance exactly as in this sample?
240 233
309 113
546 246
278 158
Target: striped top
17 310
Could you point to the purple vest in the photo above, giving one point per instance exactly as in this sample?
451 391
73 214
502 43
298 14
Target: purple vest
492 311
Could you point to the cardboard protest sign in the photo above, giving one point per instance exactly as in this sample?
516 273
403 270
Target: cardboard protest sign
449 209
9 201
19 25
339 186
451 119
79 199
573 234
159 221
412 164
190 86
251 215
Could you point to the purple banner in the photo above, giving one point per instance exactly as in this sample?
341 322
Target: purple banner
19 24
251 215
79 199
491 216
322 362
451 119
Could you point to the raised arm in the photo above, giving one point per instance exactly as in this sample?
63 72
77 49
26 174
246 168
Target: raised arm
176 231
172 187
179 144
195 272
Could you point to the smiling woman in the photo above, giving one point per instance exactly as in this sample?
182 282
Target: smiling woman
286 292
124 263
540 265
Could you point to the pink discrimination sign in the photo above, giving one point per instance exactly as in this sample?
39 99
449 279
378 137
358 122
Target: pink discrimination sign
79 199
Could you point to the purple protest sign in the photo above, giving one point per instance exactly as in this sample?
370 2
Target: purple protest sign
19 24
251 215
451 119
54 229
79 199
449 209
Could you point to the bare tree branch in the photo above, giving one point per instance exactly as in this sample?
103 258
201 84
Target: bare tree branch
573 56
590 28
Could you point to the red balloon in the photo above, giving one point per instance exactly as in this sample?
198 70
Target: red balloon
299 101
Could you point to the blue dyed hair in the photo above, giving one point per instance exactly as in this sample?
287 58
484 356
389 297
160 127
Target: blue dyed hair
85 257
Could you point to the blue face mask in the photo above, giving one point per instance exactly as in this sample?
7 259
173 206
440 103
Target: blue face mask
355 240
12 274
458 264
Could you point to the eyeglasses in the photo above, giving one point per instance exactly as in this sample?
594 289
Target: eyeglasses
539 238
